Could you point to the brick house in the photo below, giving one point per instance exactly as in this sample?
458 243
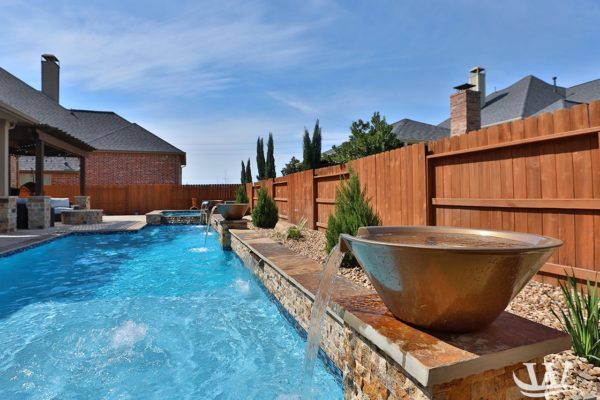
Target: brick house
125 152
527 97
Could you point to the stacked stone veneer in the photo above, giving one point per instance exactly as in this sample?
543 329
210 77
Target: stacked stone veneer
156 217
83 202
38 210
223 226
367 372
8 214
81 217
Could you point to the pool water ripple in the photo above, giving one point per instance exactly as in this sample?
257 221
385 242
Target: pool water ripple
142 316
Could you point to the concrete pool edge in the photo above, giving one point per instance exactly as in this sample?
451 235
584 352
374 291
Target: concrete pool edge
23 240
381 356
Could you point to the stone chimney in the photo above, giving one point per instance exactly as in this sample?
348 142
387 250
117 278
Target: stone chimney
477 79
465 110
50 76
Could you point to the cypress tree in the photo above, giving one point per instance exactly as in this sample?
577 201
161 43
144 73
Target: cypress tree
270 166
316 146
243 175
248 173
307 151
260 159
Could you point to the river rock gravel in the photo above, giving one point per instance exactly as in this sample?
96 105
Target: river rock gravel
535 302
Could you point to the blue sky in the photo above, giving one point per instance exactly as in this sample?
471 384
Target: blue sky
210 77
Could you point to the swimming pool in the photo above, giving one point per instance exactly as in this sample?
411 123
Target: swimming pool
148 315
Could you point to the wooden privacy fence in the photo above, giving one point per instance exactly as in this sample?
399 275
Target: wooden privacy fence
394 183
538 175
140 199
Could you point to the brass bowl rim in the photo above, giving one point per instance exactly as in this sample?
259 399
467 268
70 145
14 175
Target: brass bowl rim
545 242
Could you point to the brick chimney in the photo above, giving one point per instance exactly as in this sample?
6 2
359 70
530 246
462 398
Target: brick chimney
465 110
50 76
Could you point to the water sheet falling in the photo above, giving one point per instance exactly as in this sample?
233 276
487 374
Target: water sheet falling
208 223
317 316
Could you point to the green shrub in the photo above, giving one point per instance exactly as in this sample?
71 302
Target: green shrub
240 195
581 317
352 210
265 213
295 232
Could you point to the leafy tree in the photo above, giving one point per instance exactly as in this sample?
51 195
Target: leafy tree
240 195
352 210
260 159
293 166
316 146
366 138
243 178
248 172
307 151
270 166
265 213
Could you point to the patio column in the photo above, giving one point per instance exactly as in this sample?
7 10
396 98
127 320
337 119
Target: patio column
4 159
39 167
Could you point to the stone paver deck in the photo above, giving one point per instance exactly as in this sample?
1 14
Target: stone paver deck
10 242
429 357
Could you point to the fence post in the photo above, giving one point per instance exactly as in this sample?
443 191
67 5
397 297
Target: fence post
313 195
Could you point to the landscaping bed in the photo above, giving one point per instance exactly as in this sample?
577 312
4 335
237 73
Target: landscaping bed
535 303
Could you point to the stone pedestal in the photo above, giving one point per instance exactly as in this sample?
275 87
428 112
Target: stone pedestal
83 202
8 214
38 210
223 226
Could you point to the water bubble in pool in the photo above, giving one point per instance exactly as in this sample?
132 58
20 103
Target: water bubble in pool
241 286
128 334
199 249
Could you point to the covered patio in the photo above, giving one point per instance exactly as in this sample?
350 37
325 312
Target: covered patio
23 135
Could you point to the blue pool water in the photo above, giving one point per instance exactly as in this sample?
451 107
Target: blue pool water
152 315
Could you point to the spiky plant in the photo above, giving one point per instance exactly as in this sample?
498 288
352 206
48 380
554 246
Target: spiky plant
581 316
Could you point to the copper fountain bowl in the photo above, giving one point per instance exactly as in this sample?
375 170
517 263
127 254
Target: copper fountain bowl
232 211
457 287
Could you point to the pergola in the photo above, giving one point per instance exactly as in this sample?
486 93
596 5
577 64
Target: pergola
21 135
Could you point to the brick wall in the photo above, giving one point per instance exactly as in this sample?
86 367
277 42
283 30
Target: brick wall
105 168
64 178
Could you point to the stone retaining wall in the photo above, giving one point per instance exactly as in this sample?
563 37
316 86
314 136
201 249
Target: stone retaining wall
368 372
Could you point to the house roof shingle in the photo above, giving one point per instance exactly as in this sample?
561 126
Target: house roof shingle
410 131
100 130
532 96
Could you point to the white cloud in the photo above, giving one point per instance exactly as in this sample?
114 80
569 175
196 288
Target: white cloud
294 103
195 50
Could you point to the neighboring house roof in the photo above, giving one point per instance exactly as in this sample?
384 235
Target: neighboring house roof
106 131
55 164
410 131
532 96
